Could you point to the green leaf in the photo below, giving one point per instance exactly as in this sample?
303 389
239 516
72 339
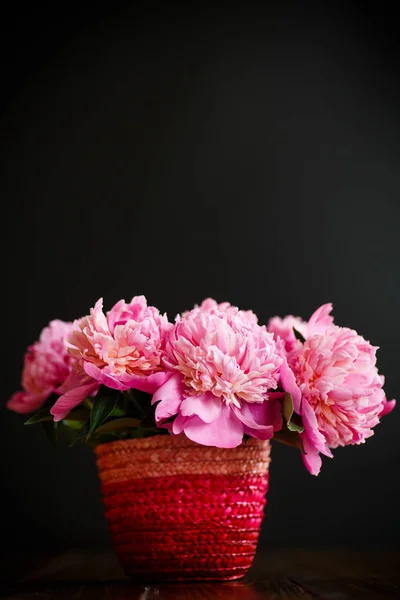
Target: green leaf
79 414
102 409
51 430
118 412
118 424
121 406
40 416
81 435
298 335
289 438
88 402
76 418
287 410
72 424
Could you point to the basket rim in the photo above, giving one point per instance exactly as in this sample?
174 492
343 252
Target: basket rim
156 442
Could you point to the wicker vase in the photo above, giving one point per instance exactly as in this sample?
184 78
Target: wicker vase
177 510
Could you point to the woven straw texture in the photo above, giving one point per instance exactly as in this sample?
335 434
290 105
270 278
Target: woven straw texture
177 510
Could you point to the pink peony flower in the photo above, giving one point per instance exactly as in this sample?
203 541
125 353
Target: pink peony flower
335 387
284 329
224 308
222 367
47 365
120 350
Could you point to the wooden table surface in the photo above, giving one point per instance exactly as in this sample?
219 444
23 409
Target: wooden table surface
276 574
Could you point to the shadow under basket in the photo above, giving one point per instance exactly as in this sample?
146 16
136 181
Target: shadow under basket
181 511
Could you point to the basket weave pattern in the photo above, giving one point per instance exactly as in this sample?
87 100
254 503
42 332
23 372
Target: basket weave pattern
178 510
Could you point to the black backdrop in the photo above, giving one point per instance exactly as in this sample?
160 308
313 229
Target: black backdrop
249 155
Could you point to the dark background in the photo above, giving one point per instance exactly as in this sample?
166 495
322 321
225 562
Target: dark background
251 155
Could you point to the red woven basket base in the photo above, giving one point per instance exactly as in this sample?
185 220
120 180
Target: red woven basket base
180 511
231 483
186 527
245 536
189 575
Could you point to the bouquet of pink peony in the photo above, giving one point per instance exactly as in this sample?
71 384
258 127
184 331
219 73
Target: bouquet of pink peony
215 375
180 416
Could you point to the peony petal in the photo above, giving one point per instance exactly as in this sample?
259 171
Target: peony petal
104 378
288 382
311 457
320 320
259 434
310 423
169 397
284 330
47 365
24 402
388 406
147 383
171 388
114 315
73 381
264 416
99 318
179 424
224 432
71 399
206 406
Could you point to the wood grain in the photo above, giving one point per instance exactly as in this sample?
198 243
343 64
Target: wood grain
275 575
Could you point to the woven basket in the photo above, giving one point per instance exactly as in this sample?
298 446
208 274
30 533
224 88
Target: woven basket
177 510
